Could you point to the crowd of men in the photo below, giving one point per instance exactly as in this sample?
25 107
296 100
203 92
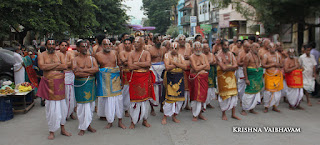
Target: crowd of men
138 74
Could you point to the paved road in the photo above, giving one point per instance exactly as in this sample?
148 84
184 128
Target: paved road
32 129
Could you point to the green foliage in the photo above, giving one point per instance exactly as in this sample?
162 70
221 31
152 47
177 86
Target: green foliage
158 12
272 13
173 31
62 18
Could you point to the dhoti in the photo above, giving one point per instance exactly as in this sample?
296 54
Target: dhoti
53 90
211 94
125 90
110 100
295 82
240 82
227 89
85 97
252 92
141 89
69 91
56 114
157 69
273 86
174 91
198 92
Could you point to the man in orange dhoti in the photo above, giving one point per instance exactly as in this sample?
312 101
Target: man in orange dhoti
294 81
273 78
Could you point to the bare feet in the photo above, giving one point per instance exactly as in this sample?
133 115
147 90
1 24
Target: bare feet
319 102
65 133
174 119
51 136
275 109
291 108
244 113
299 107
153 113
73 117
236 117
224 116
121 125
194 119
146 124
164 120
126 114
210 106
202 117
187 108
81 133
91 129
108 126
253 112
309 104
131 126
265 110
103 118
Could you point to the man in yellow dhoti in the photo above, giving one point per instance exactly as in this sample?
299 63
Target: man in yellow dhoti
273 78
227 85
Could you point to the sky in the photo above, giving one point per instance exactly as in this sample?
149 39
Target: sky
134 10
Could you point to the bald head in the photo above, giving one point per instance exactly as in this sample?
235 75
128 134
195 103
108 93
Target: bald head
139 43
255 48
106 45
205 48
266 42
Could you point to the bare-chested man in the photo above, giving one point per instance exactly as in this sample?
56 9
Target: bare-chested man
253 74
265 48
69 79
217 46
211 95
186 51
53 63
237 48
173 84
157 66
273 78
98 47
235 41
121 46
227 83
198 81
240 76
283 55
124 56
110 99
85 67
294 79
140 84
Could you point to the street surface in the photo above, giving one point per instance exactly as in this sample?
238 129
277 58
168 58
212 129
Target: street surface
32 129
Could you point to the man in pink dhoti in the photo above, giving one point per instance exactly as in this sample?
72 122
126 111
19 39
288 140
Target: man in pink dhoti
52 88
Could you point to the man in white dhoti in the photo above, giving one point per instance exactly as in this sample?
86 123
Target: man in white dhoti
240 75
308 64
69 79
124 55
84 68
211 77
273 78
19 70
173 84
157 66
294 81
253 74
227 85
110 101
52 88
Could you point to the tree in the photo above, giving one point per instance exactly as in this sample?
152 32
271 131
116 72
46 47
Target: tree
110 16
273 13
173 31
158 13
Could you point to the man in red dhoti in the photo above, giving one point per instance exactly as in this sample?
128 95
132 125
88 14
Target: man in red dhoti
198 81
140 83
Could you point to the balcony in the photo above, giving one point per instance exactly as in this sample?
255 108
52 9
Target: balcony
185 20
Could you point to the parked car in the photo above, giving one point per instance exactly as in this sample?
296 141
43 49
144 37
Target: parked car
6 65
